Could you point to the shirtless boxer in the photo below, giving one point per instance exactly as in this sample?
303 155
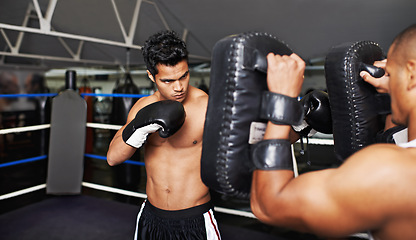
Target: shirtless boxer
371 191
178 203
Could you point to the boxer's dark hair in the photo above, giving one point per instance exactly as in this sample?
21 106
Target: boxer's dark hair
164 47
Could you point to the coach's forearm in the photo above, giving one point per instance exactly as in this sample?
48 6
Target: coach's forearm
268 201
274 131
267 185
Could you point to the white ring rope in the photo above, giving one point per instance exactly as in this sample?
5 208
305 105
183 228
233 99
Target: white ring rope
45 126
319 141
113 190
104 126
23 191
24 129
295 163
316 141
235 212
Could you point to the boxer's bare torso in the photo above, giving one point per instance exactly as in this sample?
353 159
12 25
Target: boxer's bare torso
173 164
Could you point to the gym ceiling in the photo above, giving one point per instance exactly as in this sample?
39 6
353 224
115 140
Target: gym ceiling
47 34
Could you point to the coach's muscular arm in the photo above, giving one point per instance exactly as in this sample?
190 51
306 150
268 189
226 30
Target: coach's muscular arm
316 201
268 195
267 186
277 198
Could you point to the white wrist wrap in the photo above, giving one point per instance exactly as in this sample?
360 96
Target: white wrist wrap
140 135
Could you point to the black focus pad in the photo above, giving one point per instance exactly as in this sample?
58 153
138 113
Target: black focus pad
357 109
238 78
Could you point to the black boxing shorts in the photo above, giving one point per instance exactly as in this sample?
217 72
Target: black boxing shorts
192 223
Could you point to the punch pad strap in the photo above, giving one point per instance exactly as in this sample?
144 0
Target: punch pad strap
281 109
272 154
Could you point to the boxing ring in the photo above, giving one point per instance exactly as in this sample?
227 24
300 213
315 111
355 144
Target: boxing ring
85 216
79 182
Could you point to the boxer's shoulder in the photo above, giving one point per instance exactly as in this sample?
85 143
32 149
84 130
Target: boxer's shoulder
144 101
196 98
197 93
139 104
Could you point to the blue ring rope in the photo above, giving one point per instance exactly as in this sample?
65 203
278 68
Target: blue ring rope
114 95
82 94
28 95
33 159
104 158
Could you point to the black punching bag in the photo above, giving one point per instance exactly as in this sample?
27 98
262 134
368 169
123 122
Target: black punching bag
122 105
125 174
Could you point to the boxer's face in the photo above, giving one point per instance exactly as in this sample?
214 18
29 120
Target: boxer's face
172 81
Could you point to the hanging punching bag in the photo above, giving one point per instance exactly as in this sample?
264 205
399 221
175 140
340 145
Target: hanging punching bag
125 174
36 84
122 106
